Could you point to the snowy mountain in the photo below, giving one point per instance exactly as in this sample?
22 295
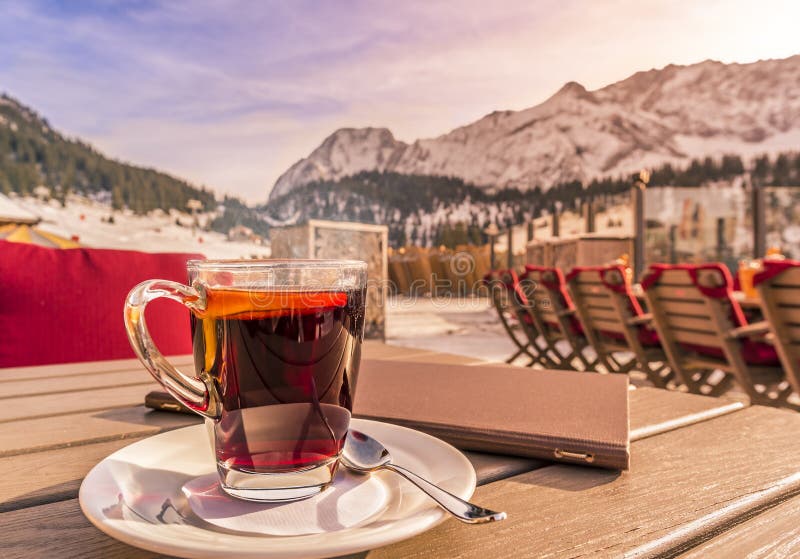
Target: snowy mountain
33 154
667 115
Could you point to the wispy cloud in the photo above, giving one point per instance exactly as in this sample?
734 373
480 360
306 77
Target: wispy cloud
230 93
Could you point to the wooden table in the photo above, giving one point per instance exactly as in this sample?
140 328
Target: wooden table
709 477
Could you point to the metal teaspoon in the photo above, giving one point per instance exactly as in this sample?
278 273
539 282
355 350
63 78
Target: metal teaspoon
363 454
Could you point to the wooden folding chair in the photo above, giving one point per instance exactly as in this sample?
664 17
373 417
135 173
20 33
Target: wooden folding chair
778 286
615 324
501 292
703 330
553 314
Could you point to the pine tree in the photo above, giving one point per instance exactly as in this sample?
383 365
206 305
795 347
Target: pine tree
731 166
117 200
761 169
781 170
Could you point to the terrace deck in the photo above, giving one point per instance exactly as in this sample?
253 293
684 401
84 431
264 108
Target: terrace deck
709 477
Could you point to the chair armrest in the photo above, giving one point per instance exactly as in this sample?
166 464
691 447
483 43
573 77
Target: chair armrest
756 329
641 319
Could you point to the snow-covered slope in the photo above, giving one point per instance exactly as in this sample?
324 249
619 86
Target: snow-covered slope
158 231
671 114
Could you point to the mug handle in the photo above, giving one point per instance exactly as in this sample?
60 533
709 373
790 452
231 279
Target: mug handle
198 394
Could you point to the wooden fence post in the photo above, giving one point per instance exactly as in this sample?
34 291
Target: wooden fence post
639 185
556 225
721 244
673 250
759 221
510 253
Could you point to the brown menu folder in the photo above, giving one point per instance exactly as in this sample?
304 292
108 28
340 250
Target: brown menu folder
565 416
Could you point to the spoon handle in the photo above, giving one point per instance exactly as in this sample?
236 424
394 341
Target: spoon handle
461 509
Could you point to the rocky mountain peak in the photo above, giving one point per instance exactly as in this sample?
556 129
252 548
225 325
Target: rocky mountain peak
656 116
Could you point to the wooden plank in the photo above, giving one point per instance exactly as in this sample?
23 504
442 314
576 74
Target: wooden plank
587 276
419 355
670 293
790 277
59 530
688 322
789 333
598 312
682 307
372 348
409 353
789 296
444 359
28 480
35 435
74 383
773 534
30 407
608 325
675 277
90 367
599 297
790 314
590 289
695 337
654 411
732 465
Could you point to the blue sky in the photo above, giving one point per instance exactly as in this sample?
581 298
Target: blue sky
229 94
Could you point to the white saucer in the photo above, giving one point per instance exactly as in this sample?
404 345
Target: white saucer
160 494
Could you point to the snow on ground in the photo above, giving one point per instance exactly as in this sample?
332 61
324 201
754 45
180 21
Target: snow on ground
463 326
155 232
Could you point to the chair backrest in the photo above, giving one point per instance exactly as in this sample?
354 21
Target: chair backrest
507 295
604 301
506 284
498 289
778 286
693 306
551 305
546 291
65 305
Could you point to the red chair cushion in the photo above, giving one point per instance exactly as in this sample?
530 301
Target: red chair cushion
760 353
527 319
772 268
65 305
648 337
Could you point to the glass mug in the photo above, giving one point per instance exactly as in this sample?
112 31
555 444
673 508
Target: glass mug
277 345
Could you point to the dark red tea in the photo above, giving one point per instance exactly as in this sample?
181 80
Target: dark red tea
286 364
